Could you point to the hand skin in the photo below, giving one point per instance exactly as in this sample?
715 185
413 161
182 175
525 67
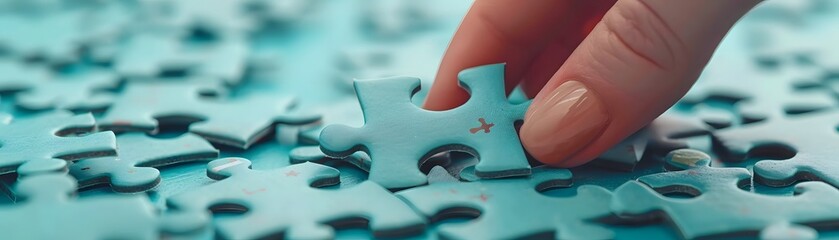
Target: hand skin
599 69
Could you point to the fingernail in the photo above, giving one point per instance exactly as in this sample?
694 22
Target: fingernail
564 122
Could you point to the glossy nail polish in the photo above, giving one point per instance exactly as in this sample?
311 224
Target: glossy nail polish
564 122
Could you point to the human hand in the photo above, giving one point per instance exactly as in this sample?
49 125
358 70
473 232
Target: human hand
599 69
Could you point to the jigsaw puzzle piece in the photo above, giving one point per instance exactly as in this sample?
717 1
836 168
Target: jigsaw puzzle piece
24 140
808 151
716 194
49 212
138 156
494 202
484 126
308 211
39 89
238 122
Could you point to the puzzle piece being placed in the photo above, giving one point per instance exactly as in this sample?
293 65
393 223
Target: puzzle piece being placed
38 144
49 212
398 136
719 208
138 156
238 123
40 89
807 143
513 208
286 202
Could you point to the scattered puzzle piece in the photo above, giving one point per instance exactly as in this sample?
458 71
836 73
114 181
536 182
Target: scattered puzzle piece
289 198
808 144
147 56
138 156
495 203
41 144
49 212
238 123
397 134
41 90
58 37
716 192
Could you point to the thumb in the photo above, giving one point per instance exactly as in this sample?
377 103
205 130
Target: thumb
639 60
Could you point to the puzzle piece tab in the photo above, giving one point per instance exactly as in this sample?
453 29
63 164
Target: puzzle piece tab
716 192
238 123
513 208
138 156
399 136
49 212
287 202
39 144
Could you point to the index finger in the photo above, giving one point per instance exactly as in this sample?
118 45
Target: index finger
494 31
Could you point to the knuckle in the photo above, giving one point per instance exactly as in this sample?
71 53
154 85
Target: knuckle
635 29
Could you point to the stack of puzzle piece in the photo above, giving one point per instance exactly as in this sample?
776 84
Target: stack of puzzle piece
249 119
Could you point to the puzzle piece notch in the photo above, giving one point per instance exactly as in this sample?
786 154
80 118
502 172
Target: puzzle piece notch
234 122
717 193
134 169
304 214
494 201
499 151
807 152
23 142
48 212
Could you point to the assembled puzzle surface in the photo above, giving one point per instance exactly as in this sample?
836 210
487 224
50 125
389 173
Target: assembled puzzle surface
300 119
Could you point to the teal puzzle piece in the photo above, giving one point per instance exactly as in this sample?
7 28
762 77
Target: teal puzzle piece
807 144
719 207
237 123
287 202
513 208
134 169
49 212
40 144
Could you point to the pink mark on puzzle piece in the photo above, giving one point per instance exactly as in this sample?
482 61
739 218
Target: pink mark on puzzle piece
484 126
483 197
252 192
292 173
